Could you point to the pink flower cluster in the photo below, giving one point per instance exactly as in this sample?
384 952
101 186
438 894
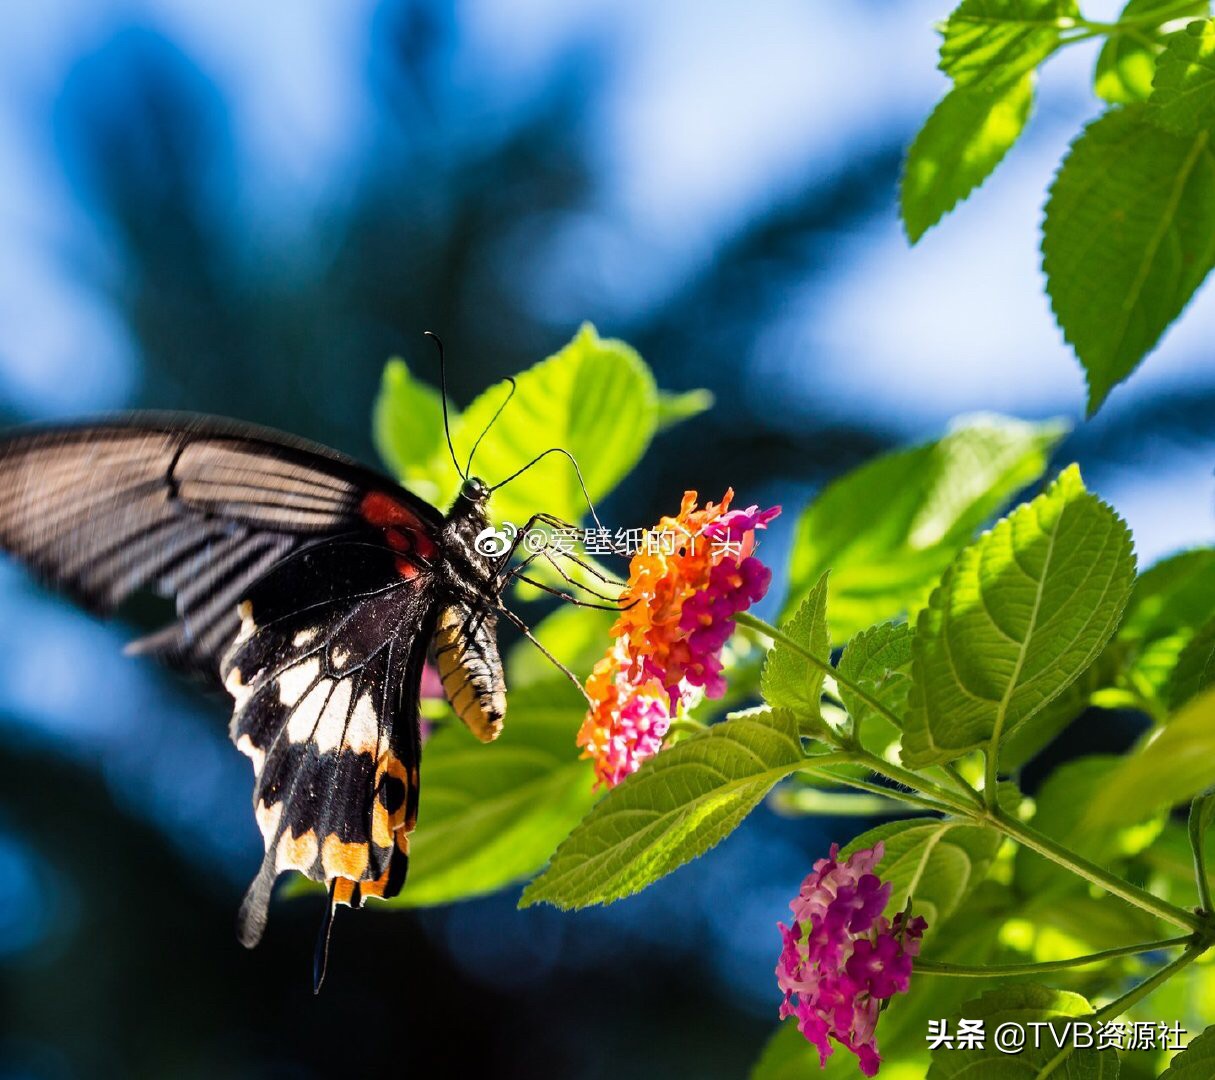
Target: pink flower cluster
842 958
669 636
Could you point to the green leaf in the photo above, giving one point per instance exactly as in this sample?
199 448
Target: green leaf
1127 62
934 863
879 660
678 805
676 408
990 43
1016 619
407 427
1061 805
888 529
1168 768
1128 236
1196 1061
595 398
1202 811
1024 1004
1195 669
1183 92
789 680
1039 730
493 814
959 146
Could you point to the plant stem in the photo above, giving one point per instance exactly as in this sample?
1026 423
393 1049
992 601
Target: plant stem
963 784
1093 873
876 789
928 967
1132 997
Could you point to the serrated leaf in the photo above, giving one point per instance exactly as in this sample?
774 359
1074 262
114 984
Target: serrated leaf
1018 616
888 529
678 805
879 660
1183 91
790 680
935 863
1195 668
676 408
990 43
407 427
1196 1061
1041 729
1025 1004
959 146
494 814
1128 236
1168 768
1126 64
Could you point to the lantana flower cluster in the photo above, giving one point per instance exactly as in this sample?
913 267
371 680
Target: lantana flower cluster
681 601
842 957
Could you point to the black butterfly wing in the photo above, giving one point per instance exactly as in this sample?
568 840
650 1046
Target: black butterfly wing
196 508
326 694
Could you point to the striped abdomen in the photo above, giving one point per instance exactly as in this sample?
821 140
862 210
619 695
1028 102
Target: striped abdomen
466 652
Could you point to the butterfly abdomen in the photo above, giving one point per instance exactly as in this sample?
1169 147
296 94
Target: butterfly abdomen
466 653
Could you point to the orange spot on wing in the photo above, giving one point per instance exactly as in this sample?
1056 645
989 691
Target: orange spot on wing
339 859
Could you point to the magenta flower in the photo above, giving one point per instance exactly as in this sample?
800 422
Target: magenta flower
842 958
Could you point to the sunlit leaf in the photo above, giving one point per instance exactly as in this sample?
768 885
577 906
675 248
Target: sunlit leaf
934 863
1195 668
1183 92
790 680
879 660
1196 1061
407 426
960 144
1128 236
678 805
1126 64
1170 767
888 529
1024 1004
1017 618
990 43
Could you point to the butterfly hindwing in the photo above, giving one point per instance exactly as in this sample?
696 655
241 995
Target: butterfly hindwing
325 674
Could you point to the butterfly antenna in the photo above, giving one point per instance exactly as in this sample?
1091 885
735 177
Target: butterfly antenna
320 959
492 420
443 392
577 472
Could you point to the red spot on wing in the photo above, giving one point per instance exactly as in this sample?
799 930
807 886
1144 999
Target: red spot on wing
403 529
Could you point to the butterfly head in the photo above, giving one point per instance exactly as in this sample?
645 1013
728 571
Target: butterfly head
475 491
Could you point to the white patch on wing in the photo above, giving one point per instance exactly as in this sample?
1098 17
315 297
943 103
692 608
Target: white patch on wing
247 626
308 712
236 686
294 682
268 819
305 636
338 657
362 736
245 745
332 725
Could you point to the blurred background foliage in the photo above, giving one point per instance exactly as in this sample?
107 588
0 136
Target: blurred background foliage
247 210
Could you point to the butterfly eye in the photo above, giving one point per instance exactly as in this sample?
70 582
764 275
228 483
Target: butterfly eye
474 490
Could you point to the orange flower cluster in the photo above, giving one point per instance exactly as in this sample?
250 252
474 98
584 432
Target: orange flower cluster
694 572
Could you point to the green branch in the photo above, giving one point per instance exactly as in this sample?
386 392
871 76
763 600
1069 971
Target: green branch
995 971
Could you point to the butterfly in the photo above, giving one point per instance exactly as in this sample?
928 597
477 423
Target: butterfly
310 587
